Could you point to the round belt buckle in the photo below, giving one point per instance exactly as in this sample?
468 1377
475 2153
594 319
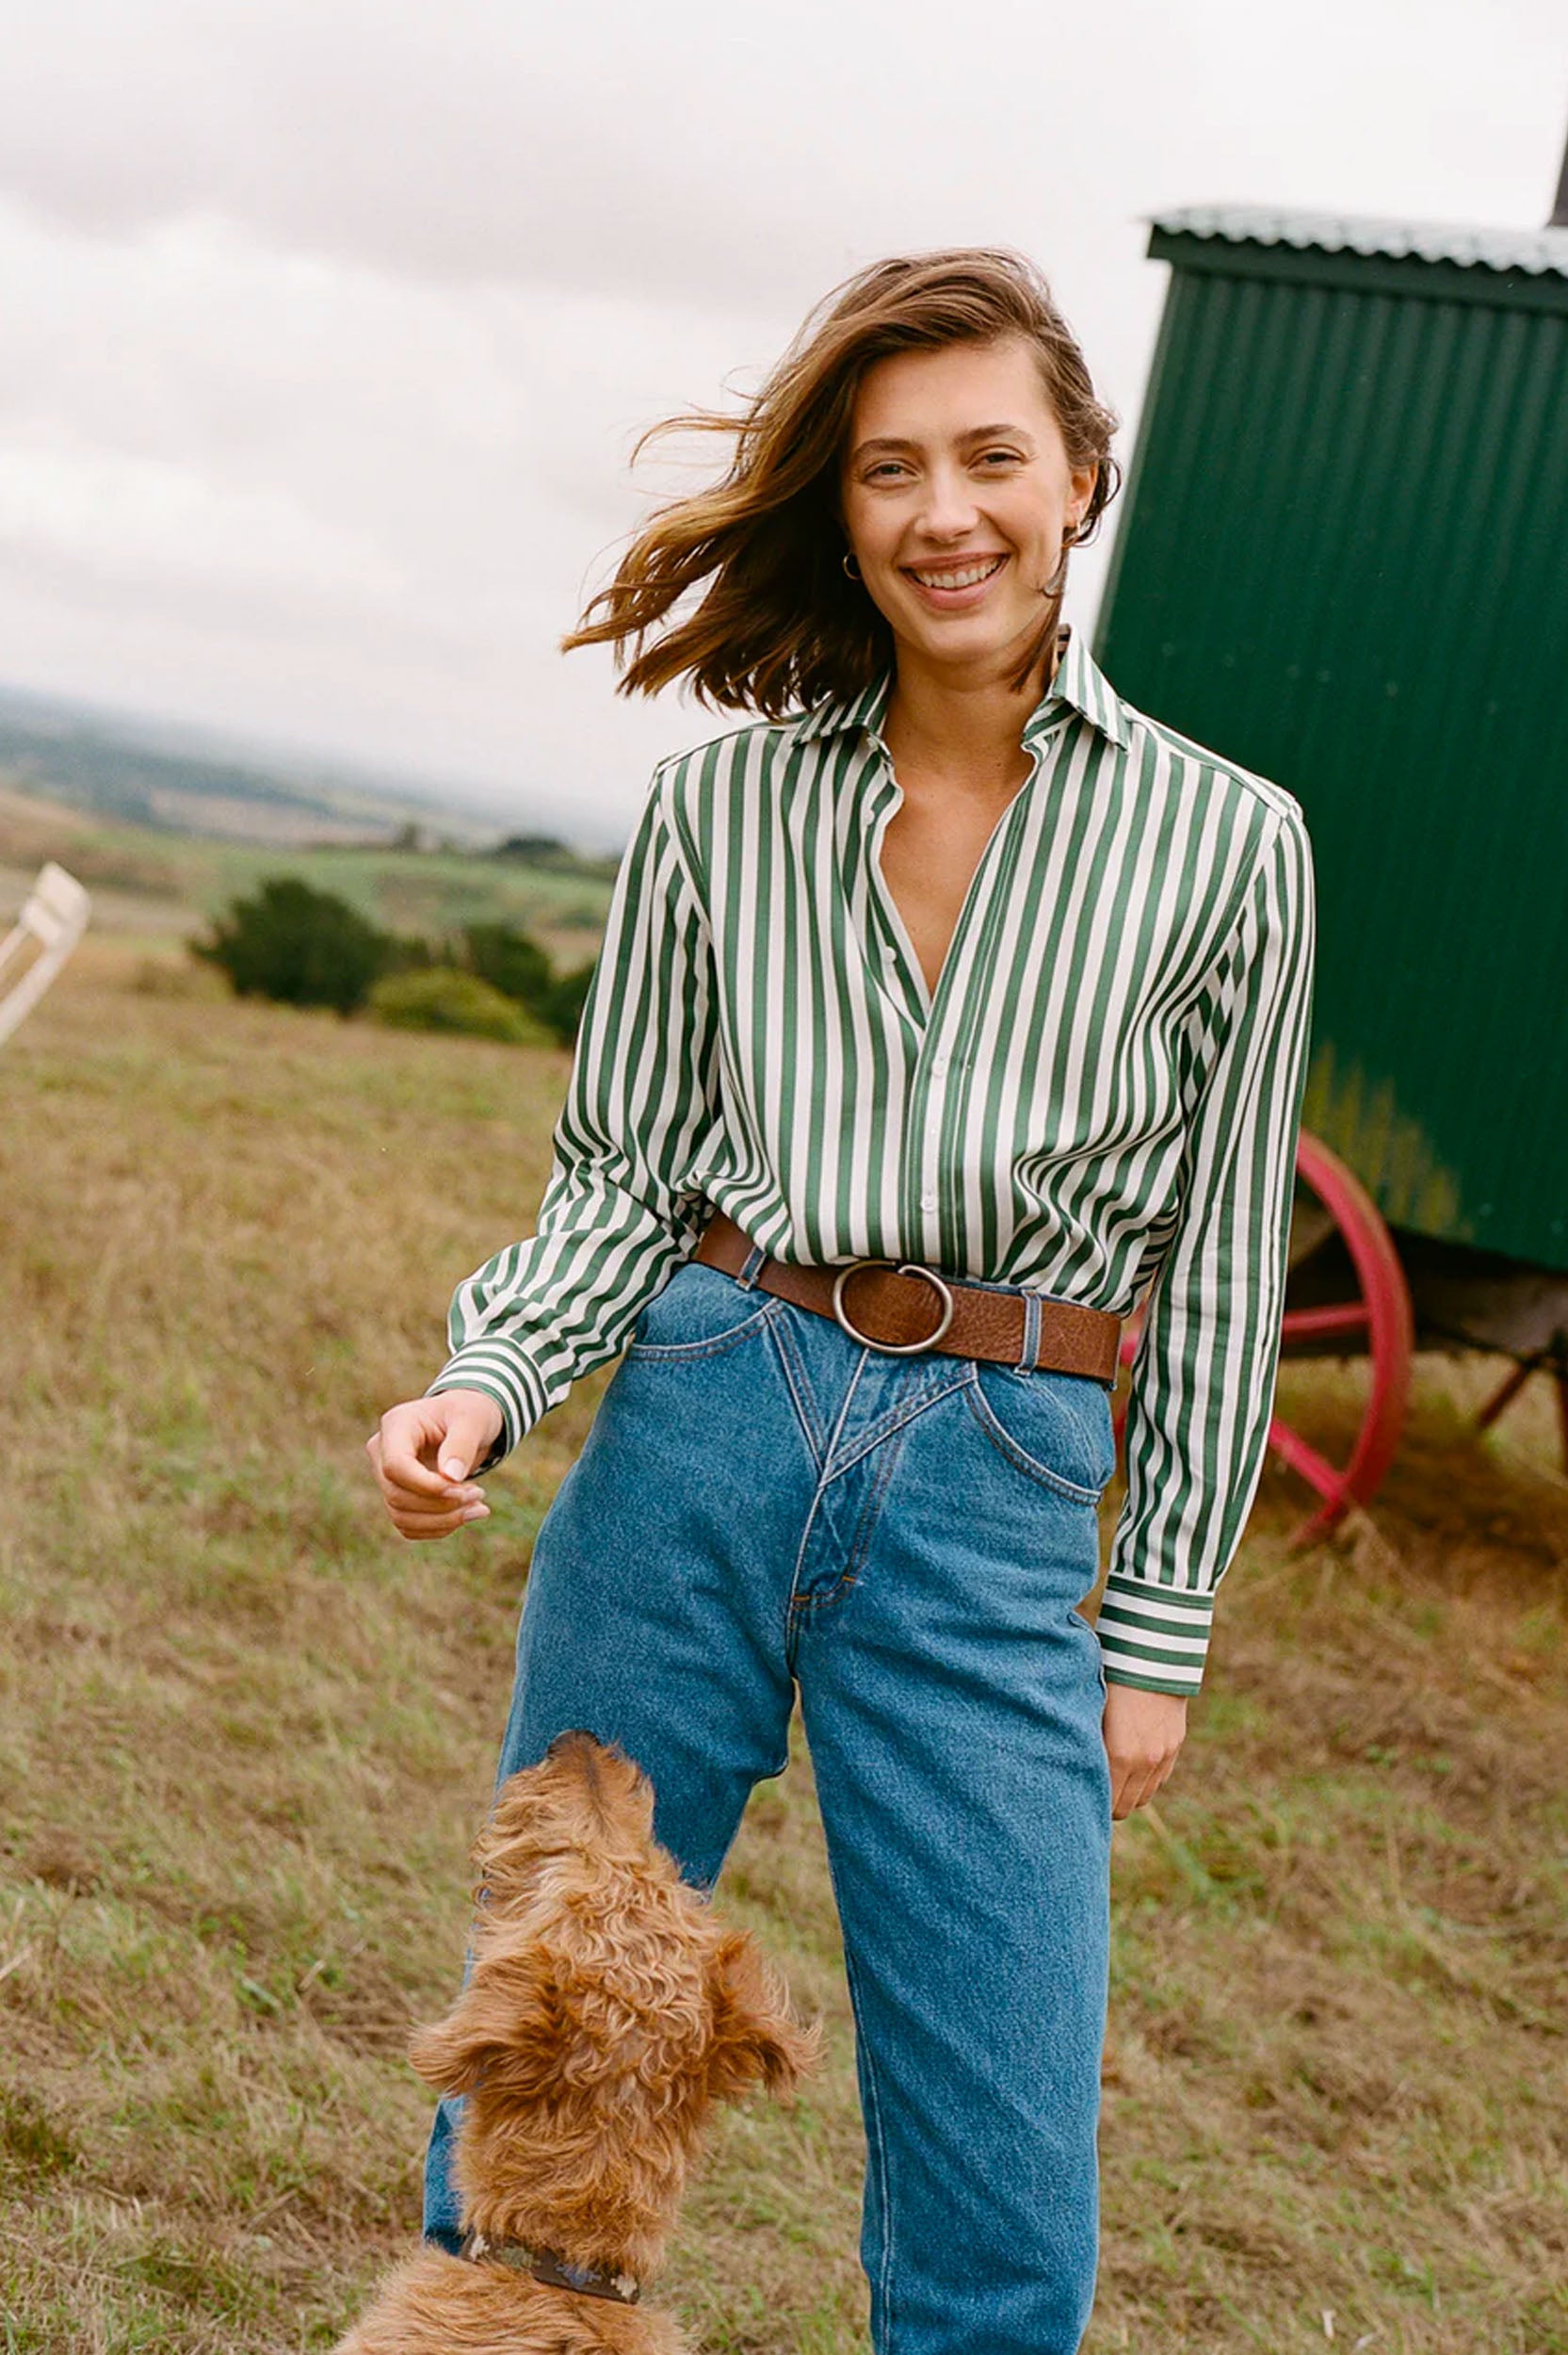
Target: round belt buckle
894 1349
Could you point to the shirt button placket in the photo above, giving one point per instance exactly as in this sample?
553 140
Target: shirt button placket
941 1059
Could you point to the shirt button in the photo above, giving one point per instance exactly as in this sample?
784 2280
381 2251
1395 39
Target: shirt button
928 1201
940 1062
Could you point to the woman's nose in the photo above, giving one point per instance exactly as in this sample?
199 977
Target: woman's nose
949 507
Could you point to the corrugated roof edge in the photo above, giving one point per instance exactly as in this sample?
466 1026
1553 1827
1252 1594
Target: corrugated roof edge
1541 251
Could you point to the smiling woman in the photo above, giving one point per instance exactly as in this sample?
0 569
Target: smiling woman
780 621
946 1009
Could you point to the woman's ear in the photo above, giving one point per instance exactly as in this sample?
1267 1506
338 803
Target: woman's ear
755 2040
1083 479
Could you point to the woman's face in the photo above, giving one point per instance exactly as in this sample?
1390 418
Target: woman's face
955 491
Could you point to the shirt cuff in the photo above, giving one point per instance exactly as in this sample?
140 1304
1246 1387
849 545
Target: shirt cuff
1153 1637
504 1375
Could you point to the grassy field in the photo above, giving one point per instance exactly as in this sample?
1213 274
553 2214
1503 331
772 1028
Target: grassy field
245 1732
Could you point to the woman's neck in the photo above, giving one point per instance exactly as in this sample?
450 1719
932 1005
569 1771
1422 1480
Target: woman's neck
968 727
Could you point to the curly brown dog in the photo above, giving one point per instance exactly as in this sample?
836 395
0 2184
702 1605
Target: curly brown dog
605 2011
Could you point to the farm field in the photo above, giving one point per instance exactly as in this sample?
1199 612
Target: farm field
159 886
246 1733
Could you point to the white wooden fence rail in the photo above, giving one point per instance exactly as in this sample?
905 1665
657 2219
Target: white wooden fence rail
52 923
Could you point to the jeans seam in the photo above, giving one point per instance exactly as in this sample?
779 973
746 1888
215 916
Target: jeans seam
875 2137
864 1529
1070 1489
1089 1629
895 1420
792 1607
870 1514
714 1343
817 1445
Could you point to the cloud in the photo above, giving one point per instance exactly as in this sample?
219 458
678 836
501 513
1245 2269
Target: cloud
329 326
740 158
600 148
337 506
147 526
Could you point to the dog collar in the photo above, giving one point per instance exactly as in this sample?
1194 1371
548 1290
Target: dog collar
549 2265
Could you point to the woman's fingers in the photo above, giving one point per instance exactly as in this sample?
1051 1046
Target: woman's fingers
1138 1793
401 1450
407 1508
1139 1786
428 1497
470 1423
1135 1780
403 1505
422 1454
1143 1733
437 1524
417 1514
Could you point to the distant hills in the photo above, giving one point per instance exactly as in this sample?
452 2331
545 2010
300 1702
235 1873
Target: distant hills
144 773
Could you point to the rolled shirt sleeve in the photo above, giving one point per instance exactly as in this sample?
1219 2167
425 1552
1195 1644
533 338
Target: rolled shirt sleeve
618 1214
1203 1382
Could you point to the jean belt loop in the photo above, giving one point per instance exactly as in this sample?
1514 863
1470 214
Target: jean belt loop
1032 1321
752 1266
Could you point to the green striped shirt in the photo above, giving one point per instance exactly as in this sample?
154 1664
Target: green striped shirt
1101 1096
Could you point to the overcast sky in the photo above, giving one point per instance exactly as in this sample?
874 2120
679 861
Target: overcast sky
329 323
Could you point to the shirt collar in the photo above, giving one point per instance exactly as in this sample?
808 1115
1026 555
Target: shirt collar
839 713
1079 683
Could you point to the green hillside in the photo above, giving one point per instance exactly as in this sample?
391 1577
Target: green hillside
159 886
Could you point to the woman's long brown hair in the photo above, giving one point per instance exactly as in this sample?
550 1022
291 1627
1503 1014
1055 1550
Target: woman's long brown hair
780 625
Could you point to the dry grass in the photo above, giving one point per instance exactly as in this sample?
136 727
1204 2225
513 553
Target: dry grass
245 1733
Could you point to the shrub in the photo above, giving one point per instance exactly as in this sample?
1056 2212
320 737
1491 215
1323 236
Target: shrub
520 970
301 946
563 1008
442 998
511 961
533 850
405 952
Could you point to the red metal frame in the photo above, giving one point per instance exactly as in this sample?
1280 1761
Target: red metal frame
1377 1317
1553 1361
1382 1312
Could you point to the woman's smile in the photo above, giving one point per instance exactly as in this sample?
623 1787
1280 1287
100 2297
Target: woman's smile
955 583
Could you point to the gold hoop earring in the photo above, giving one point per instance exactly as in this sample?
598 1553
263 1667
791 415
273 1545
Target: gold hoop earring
1057 582
851 564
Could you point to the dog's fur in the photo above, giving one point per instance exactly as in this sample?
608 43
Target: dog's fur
605 2013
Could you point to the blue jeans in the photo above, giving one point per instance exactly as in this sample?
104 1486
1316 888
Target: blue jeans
764 1503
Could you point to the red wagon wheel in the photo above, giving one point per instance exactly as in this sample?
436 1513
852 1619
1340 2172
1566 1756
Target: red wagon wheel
1345 1296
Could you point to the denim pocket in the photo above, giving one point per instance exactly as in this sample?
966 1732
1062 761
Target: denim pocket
1055 1427
700 1310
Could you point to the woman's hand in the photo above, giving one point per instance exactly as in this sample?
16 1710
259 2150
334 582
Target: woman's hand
1143 1733
423 1454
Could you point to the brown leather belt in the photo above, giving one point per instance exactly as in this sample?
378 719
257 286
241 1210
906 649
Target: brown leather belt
903 1308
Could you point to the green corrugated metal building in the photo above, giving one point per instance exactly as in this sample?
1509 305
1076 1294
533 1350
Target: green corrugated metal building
1344 563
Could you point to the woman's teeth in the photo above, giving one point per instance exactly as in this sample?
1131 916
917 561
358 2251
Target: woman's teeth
964 579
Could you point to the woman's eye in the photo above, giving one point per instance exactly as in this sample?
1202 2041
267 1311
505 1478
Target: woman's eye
999 458
886 466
